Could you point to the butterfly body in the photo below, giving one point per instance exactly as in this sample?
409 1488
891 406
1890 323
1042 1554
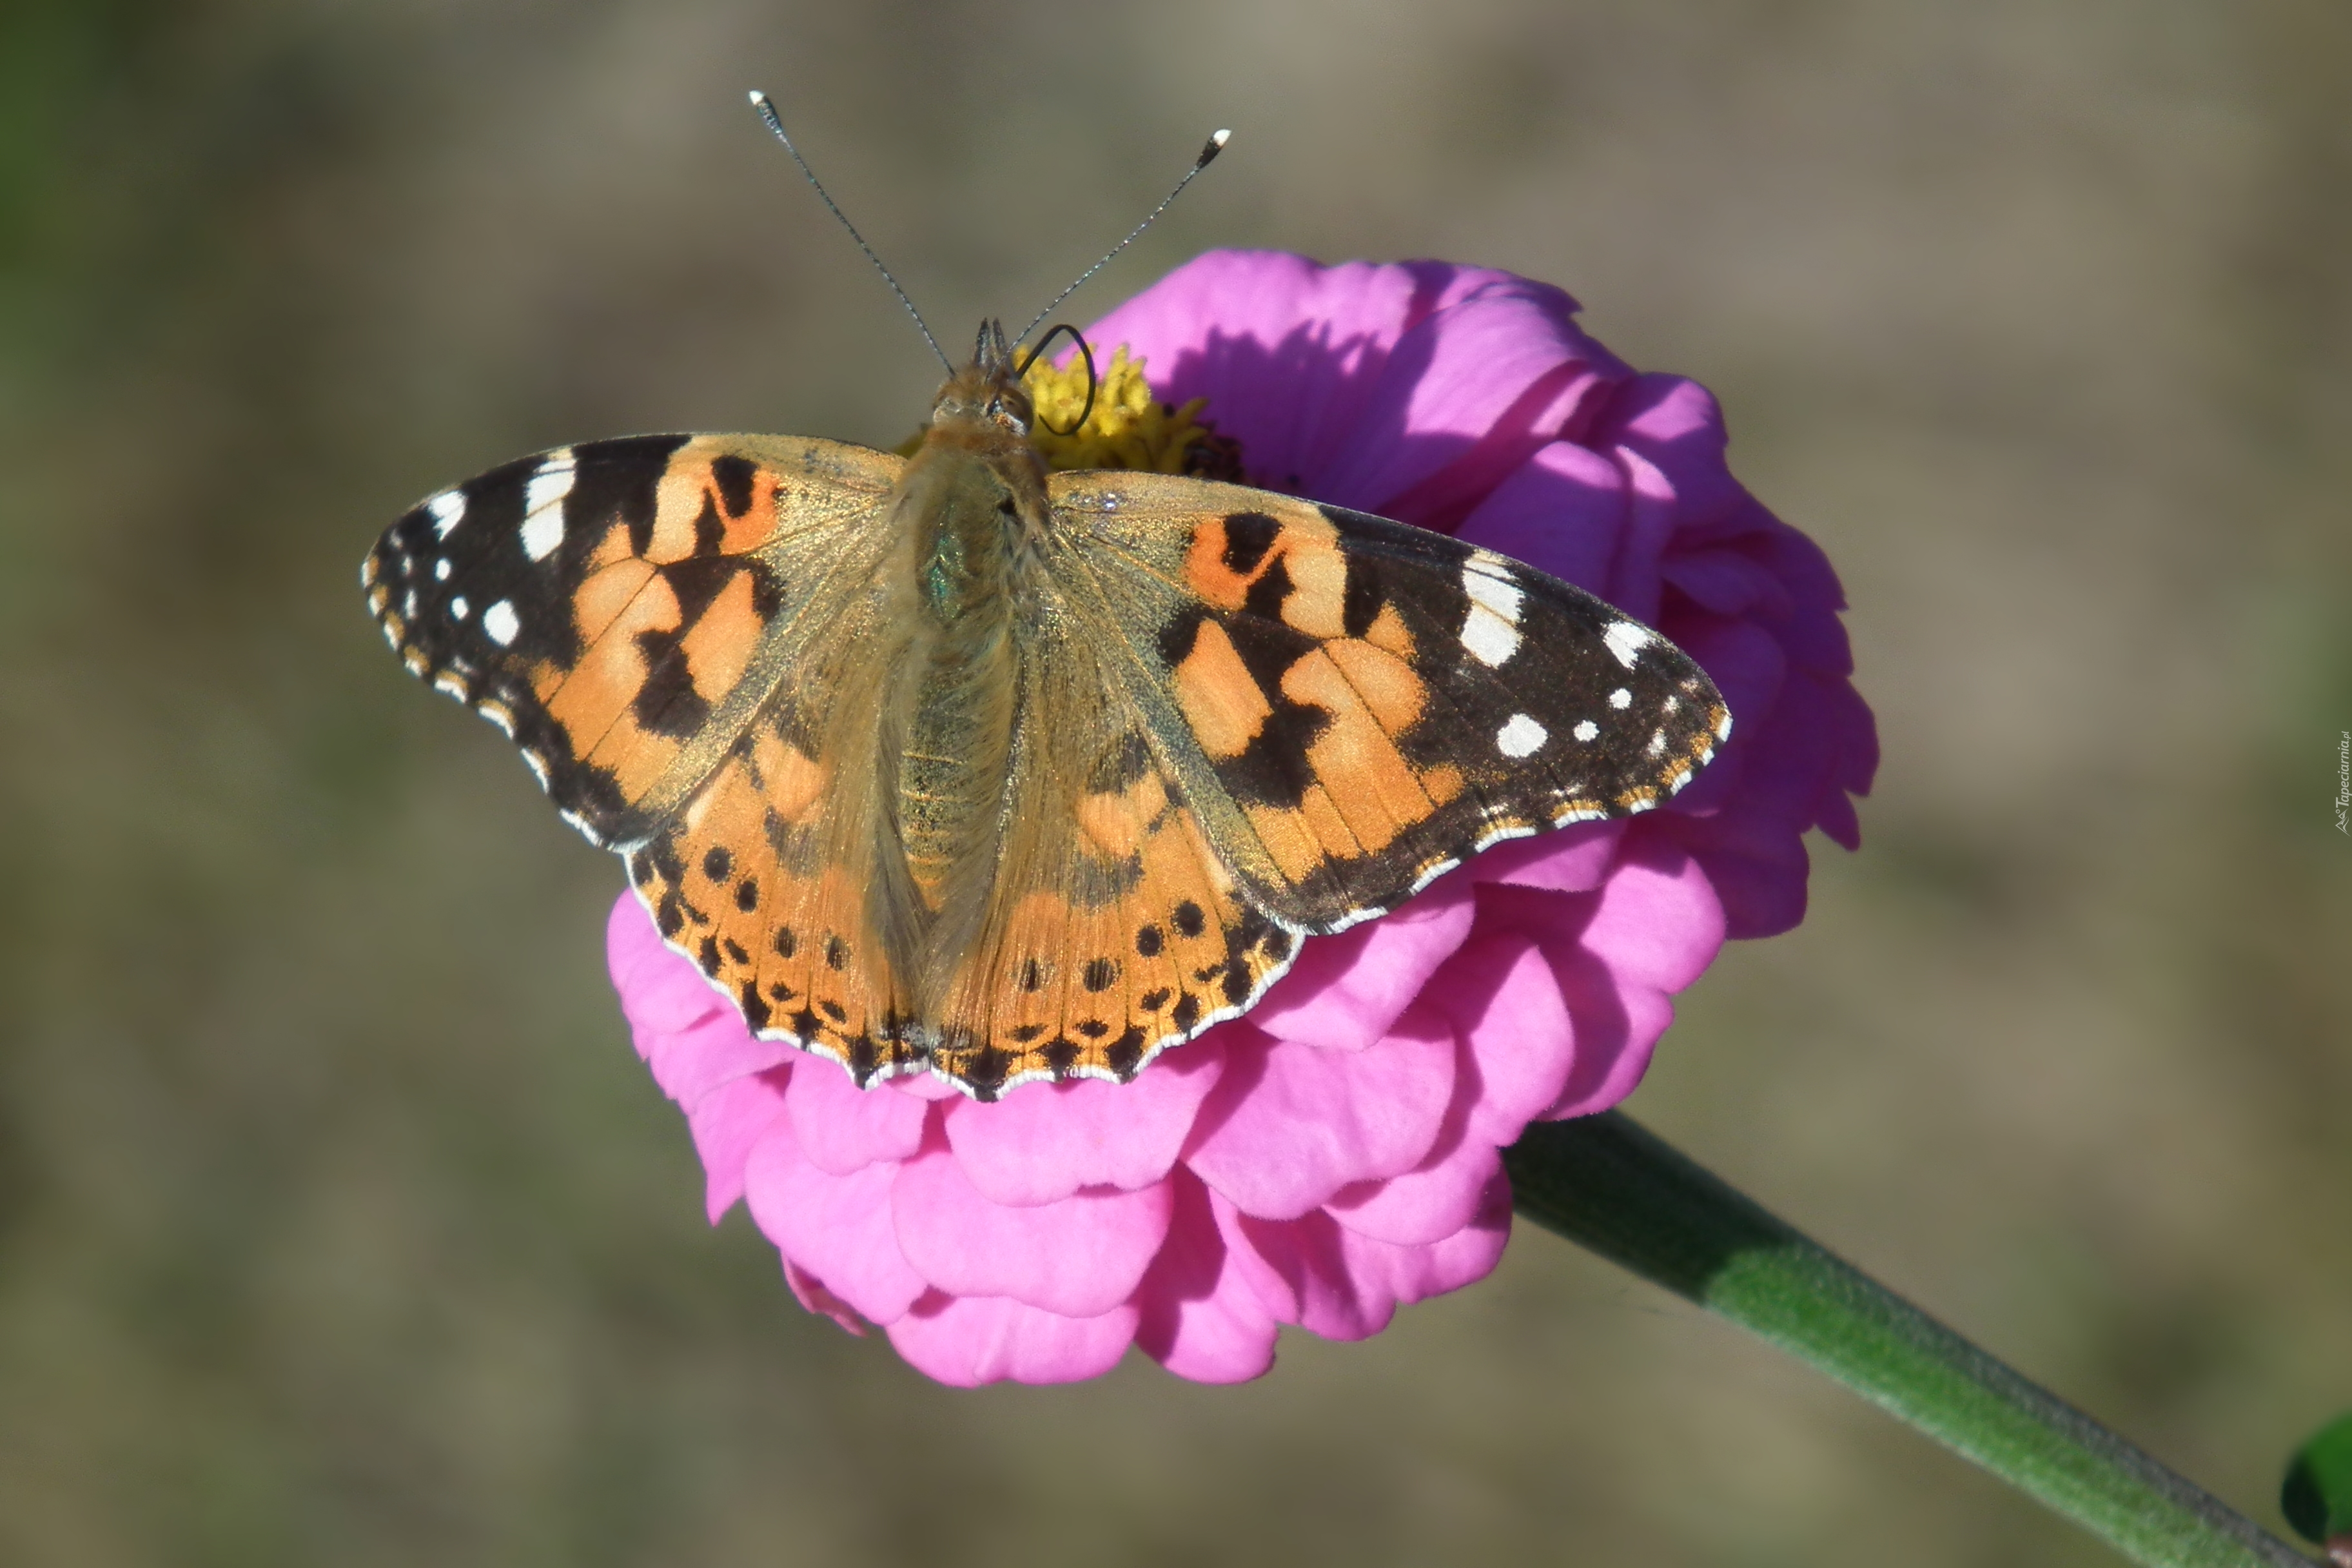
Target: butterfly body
951 762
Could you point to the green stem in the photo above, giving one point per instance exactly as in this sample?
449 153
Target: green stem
1608 1185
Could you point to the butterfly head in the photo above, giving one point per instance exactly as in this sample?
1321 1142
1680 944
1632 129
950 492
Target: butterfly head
986 392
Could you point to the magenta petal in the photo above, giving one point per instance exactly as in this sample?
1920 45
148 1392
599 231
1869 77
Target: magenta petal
728 1124
1291 1125
1201 1318
1042 1143
686 1033
842 1128
1572 860
837 1227
968 1342
1079 1257
1469 395
1345 991
1562 511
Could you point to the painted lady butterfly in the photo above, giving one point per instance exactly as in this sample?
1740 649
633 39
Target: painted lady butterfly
951 762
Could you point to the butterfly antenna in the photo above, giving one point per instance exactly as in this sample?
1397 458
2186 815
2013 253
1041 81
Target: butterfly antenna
1209 151
768 112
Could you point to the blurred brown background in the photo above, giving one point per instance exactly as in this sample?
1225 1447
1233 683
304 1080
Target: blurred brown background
338 1223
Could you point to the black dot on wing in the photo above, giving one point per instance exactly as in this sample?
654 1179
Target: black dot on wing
1125 1054
833 1010
786 943
707 956
747 894
1189 919
1188 1012
1061 1056
735 954
836 952
1148 942
716 864
1032 976
755 1008
1237 982
1094 1028
1099 973
1153 1001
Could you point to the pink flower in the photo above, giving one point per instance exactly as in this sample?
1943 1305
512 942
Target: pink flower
1334 1154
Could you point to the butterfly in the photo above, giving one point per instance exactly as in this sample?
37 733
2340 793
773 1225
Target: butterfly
949 762
953 762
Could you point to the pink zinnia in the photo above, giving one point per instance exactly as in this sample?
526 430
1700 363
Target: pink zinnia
1335 1152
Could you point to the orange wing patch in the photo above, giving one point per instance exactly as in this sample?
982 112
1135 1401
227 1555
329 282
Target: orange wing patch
744 882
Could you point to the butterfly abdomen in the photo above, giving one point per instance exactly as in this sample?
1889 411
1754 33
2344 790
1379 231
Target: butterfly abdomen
965 501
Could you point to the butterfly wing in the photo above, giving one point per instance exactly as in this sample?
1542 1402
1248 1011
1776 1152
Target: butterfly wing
1251 717
664 626
1353 705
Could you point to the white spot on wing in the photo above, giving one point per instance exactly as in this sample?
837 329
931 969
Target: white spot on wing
1620 699
1520 737
1491 639
1493 585
459 609
543 504
1490 631
501 622
1657 746
1588 731
1625 640
448 509
441 570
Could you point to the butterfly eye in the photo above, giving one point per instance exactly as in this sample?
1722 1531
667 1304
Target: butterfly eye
996 408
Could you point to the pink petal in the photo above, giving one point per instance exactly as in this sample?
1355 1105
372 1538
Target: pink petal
728 1124
1658 926
837 1227
690 1035
1078 1257
810 1291
1345 1286
842 1128
1345 991
1428 1203
1505 1001
1042 1145
965 1342
1200 1317
1290 1125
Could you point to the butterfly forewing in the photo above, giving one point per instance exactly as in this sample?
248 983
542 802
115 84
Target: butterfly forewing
1360 703
604 604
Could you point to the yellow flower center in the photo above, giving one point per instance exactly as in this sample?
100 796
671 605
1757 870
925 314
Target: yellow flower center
1127 429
